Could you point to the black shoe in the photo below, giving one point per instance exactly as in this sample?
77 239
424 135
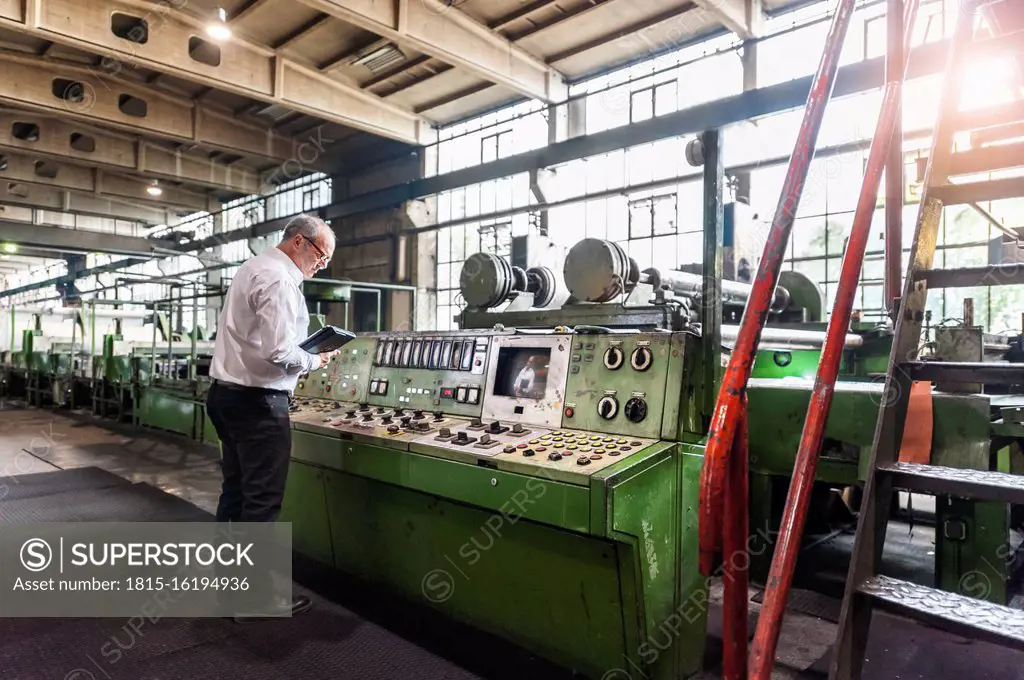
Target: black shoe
280 609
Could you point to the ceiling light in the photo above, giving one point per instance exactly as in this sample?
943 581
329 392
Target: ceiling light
377 59
154 190
10 248
219 30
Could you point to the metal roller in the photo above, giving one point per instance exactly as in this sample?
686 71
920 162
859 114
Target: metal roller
487 281
599 271
542 282
691 285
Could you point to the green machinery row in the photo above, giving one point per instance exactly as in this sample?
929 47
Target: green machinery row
535 473
124 364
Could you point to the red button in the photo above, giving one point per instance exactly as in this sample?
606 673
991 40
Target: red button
521 446
541 448
569 412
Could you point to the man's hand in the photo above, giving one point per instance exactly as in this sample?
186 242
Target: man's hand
325 357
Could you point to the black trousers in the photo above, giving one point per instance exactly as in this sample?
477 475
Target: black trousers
256 441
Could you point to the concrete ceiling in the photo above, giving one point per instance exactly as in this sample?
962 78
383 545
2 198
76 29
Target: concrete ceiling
102 99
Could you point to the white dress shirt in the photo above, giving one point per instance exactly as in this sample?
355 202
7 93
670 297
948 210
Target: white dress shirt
261 325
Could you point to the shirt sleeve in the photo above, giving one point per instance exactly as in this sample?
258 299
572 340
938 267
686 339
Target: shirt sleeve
276 310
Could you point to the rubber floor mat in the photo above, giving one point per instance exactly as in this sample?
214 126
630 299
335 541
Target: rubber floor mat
124 503
42 484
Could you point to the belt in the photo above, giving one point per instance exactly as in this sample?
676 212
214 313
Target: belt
248 388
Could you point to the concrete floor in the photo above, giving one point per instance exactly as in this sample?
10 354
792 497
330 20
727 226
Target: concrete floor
36 441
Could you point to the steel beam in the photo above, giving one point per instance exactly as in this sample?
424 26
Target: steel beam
764 101
71 142
442 31
20 168
745 18
985 159
969 277
979 192
93 96
243 68
44 198
853 79
77 240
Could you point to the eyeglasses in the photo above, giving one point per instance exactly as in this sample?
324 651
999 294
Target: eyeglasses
322 254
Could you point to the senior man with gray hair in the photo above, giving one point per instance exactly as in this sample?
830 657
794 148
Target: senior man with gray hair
256 364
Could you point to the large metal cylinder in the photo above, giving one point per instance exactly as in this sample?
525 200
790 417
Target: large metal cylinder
487 281
599 271
691 286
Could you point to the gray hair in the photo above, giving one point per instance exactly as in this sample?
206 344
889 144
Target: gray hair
306 225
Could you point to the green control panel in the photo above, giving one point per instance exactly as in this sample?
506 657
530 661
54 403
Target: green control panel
618 383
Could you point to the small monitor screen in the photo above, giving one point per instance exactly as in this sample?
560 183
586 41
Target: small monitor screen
522 372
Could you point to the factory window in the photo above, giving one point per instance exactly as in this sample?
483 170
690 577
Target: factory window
132 106
935 21
15 189
653 216
203 52
68 90
128 27
653 101
82 142
26 132
498 145
311 199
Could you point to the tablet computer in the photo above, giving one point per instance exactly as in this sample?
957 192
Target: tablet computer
327 339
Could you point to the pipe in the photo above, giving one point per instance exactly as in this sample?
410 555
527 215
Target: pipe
792 336
895 65
726 416
736 565
787 550
692 285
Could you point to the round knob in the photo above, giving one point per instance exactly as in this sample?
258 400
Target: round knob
387 419
635 410
367 417
438 416
641 358
613 358
607 407
393 428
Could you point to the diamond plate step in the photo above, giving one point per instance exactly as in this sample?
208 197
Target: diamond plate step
966 616
964 483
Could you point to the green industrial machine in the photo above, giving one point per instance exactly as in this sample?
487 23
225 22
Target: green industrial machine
535 474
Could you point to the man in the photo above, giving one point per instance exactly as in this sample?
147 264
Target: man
524 381
256 364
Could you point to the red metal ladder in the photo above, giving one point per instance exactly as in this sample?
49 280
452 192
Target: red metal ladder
780 576
723 487
865 587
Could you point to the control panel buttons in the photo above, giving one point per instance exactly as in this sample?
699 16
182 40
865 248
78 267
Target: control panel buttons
554 455
641 359
583 460
528 453
635 410
613 358
608 407
473 396
438 416
509 449
460 395
570 412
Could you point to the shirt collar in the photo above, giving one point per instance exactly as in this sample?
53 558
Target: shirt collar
293 270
